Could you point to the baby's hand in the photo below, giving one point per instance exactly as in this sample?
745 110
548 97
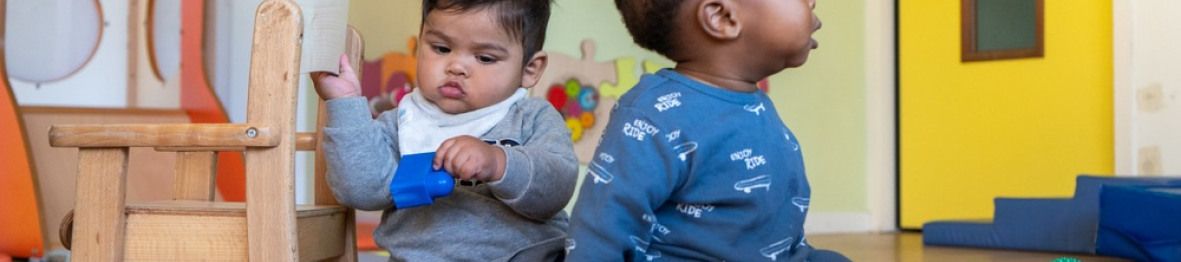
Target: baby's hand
468 158
331 86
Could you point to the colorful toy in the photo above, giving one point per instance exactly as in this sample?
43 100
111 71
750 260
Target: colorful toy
577 103
584 68
416 183
585 90
573 85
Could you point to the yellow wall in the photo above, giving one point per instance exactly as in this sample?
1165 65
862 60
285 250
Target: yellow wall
1026 127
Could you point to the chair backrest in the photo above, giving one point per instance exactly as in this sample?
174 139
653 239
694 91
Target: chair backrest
274 217
268 139
271 102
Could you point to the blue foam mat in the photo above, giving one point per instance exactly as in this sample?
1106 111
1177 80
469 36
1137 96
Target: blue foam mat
1038 224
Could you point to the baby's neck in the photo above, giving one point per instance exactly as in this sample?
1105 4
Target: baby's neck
720 76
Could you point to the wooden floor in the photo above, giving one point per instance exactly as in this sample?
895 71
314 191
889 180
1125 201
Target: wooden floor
905 247
909 247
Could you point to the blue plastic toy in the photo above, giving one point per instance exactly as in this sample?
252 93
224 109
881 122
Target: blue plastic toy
416 183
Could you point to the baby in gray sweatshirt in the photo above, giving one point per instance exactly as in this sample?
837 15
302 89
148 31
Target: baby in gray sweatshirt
512 155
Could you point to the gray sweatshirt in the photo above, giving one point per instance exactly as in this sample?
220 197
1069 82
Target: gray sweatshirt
518 218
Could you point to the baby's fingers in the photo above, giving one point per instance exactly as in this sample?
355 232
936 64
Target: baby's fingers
345 66
346 69
462 168
441 155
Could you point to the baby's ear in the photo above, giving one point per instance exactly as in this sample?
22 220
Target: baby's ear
533 69
719 18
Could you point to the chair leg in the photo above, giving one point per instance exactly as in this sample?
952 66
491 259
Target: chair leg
99 210
195 176
350 237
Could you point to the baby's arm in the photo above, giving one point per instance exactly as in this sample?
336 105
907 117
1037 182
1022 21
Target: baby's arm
539 175
359 150
634 172
360 154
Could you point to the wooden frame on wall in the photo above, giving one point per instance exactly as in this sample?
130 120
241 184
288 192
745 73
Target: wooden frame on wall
1005 33
149 35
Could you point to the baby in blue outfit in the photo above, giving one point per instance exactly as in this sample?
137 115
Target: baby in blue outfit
695 163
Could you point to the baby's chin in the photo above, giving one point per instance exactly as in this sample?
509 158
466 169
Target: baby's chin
798 59
450 107
454 110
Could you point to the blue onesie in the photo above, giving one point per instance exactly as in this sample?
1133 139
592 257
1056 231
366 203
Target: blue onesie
686 171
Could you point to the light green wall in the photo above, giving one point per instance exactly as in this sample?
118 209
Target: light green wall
575 20
385 24
823 102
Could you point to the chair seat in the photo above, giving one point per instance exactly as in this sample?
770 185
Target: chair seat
216 231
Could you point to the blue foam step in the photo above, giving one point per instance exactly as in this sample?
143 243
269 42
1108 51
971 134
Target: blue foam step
1140 223
979 233
1038 224
1021 230
1012 227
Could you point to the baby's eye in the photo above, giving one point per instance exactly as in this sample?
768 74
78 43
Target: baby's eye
483 59
441 49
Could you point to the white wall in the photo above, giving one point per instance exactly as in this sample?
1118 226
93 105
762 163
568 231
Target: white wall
232 37
880 115
1147 83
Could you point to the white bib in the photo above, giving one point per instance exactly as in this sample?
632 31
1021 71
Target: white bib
422 126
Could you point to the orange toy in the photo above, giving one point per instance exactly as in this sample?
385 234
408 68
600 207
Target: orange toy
19 220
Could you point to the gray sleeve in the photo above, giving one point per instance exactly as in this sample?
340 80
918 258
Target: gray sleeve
360 153
540 174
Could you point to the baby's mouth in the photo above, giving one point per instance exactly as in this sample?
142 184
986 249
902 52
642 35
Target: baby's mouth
452 90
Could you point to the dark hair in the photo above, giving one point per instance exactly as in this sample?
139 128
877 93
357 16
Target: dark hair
651 23
522 19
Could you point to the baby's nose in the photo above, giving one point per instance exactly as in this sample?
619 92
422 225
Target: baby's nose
456 69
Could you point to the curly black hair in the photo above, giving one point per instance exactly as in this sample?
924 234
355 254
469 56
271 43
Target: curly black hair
522 19
651 23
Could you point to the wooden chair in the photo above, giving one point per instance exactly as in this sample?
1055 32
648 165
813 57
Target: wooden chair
268 226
